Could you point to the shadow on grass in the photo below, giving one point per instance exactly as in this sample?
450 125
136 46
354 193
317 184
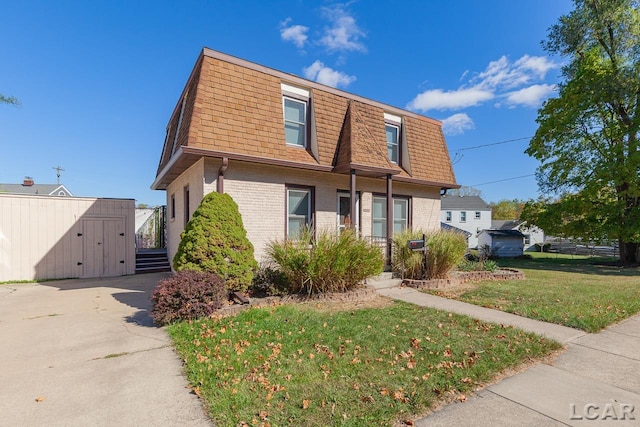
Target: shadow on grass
593 265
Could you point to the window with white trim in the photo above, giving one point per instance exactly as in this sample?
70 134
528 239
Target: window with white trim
448 216
478 214
393 133
299 210
463 216
295 121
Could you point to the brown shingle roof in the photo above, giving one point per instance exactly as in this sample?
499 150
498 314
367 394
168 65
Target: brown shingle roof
234 108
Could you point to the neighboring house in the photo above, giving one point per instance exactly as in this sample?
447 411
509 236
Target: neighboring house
502 243
448 227
532 234
468 213
31 188
295 153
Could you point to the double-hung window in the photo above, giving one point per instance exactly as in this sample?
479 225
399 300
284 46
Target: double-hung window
400 218
299 210
463 216
392 126
295 121
448 216
478 214
392 132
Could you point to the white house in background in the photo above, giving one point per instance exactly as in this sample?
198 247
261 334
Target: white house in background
502 243
532 234
468 213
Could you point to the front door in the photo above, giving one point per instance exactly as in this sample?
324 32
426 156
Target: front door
345 219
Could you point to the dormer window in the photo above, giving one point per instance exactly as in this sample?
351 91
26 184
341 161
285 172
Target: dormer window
295 107
295 121
392 127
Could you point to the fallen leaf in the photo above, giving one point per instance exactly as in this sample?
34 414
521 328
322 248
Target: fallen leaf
39 399
305 404
461 398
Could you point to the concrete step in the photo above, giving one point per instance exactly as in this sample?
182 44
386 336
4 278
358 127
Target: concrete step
384 281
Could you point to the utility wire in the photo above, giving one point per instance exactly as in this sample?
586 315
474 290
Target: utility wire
503 180
457 156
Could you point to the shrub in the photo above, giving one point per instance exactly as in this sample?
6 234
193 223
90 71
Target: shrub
404 261
469 265
187 295
269 281
490 265
445 250
215 240
331 263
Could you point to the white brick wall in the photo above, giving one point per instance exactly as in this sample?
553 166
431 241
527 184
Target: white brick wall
260 192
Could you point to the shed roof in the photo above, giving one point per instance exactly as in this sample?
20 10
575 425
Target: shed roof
504 233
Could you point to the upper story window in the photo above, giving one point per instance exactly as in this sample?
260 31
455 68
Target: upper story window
295 121
392 127
295 106
448 216
477 214
392 132
463 216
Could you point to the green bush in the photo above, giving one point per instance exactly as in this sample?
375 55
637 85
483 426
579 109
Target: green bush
269 281
445 250
404 261
331 263
215 240
490 265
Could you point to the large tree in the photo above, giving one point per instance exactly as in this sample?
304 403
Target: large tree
506 209
587 140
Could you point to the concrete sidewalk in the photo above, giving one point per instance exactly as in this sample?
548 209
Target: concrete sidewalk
85 352
595 382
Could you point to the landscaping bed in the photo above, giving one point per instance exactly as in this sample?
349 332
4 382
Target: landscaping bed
461 277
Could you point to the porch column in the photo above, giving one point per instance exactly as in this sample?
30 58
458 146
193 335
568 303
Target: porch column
389 217
353 215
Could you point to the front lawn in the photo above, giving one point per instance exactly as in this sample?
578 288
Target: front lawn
308 365
580 292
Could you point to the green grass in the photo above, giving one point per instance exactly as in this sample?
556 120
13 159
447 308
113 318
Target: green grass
298 365
575 291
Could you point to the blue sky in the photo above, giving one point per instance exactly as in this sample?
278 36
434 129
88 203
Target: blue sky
97 81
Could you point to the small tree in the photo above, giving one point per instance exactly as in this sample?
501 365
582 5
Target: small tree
215 240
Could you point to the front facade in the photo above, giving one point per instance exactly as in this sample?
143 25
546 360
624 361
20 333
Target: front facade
296 153
468 213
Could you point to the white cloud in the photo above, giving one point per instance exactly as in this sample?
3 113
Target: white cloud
437 99
297 34
328 76
531 96
457 124
519 83
344 33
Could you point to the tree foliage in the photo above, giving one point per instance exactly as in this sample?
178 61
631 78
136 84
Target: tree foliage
506 209
215 241
587 140
12 100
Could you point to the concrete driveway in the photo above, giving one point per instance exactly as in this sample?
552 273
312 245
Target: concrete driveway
85 352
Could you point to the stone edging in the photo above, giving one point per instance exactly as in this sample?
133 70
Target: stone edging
459 278
362 294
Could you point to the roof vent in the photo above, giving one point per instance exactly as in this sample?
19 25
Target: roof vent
28 181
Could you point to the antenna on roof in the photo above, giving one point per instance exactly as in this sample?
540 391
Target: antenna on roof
58 170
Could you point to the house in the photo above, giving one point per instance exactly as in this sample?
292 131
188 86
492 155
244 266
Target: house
532 235
295 153
468 213
28 186
501 243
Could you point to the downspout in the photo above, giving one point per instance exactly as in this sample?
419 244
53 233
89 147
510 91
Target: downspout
389 218
223 168
352 200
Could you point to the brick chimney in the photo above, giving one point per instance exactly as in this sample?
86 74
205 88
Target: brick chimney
28 181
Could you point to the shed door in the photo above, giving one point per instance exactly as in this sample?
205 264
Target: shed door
104 247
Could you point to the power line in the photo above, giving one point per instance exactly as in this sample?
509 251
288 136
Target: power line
457 156
503 180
